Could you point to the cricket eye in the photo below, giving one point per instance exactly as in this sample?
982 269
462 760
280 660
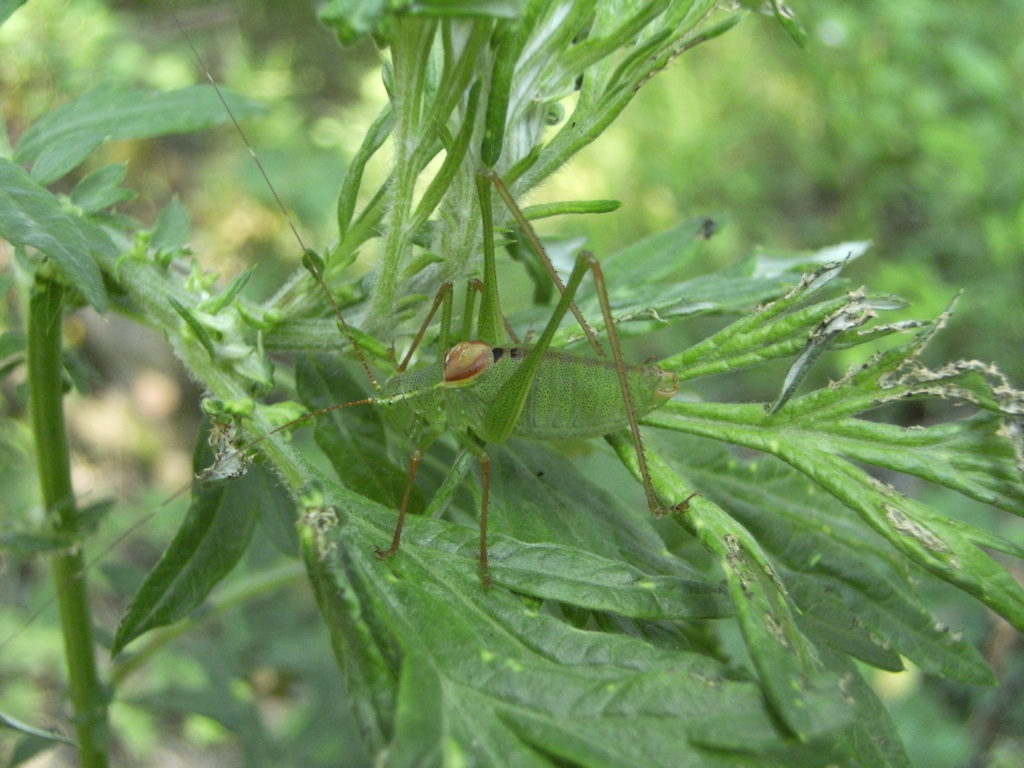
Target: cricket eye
667 386
467 360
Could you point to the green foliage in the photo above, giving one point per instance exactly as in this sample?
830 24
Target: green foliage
726 634
211 540
899 124
34 218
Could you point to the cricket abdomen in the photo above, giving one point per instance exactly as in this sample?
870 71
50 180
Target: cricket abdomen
570 396
580 397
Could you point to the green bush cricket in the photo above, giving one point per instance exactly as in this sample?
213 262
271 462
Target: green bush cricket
485 392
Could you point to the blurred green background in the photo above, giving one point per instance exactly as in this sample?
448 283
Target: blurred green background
902 123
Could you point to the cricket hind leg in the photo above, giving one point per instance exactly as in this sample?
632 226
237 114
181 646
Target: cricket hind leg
627 397
653 503
568 293
490 177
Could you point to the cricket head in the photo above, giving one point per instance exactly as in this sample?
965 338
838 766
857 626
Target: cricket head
667 385
467 361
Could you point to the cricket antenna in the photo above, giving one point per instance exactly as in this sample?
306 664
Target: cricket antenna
310 260
238 127
233 455
228 462
86 567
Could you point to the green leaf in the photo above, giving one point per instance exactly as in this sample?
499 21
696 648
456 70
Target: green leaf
226 297
660 256
63 138
507 42
32 217
7 7
353 19
519 684
172 228
816 435
221 703
210 541
789 22
419 731
540 497
22 543
570 207
194 324
354 439
969 456
852 593
365 657
804 694
101 189
12 343
785 328
589 581
943 546
644 284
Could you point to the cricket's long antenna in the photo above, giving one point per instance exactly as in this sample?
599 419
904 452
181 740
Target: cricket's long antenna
149 516
238 127
86 567
311 262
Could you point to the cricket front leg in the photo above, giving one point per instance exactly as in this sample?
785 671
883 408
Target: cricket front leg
485 494
442 300
426 440
396 540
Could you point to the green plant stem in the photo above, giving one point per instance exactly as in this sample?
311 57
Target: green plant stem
46 397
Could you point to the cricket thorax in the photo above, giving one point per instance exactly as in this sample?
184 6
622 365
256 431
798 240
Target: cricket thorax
513 353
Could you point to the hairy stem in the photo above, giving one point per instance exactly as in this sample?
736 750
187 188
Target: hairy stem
410 54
